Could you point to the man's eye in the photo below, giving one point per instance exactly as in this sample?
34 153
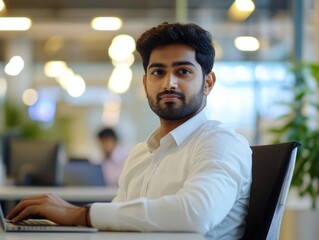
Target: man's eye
184 71
157 72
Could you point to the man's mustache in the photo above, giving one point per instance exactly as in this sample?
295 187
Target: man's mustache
173 92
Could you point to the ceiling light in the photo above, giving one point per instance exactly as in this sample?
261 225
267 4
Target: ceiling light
126 62
2 6
241 9
30 97
55 68
245 5
64 79
76 86
14 23
14 66
246 43
122 47
106 23
120 79
53 44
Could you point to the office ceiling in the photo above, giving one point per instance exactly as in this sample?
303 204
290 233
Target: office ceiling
68 21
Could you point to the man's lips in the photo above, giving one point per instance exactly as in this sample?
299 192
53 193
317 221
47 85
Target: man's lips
169 98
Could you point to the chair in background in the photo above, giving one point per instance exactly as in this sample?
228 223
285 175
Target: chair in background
272 171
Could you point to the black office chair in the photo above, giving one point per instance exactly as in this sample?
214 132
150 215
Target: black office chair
272 170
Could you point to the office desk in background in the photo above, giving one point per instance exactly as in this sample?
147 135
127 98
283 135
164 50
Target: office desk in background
71 194
101 236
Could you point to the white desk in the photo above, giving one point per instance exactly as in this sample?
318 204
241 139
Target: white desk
72 194
101 236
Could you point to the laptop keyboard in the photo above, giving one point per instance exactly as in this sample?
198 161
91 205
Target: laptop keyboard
34 222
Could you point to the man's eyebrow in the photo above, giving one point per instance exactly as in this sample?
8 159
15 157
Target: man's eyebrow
160 65
181 63
175 64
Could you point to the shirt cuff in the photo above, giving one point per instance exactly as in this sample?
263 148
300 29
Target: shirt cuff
104 216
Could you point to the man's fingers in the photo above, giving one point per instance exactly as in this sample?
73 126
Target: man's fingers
26 213
26 202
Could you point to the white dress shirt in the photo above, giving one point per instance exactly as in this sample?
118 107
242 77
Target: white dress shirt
196 178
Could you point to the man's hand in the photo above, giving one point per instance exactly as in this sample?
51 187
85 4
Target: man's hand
50 207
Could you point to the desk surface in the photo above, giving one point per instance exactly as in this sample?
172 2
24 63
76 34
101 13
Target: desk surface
101 236
80 194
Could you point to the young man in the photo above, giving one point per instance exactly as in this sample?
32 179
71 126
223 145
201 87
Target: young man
192 173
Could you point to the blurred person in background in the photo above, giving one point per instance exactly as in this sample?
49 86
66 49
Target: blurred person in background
113 155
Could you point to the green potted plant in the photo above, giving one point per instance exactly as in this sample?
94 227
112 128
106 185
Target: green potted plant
301 123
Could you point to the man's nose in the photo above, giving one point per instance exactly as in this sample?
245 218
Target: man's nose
170 82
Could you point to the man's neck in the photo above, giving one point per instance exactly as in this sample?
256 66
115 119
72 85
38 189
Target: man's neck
169 125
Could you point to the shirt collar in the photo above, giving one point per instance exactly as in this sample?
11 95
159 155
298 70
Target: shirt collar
180 133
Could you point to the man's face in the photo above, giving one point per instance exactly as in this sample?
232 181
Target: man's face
174 82
108 144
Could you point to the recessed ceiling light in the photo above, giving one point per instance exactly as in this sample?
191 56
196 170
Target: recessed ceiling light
106 23
15 23
247 43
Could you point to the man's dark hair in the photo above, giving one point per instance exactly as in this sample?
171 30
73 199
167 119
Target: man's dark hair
107 132
189 34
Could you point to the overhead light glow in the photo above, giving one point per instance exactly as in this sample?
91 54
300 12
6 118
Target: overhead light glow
120 79
30 97
53 44
122 47
245 5
2 6
15 23
55 68
241 9
106 23
76 86
246 43
64 79
111 109
126 62
14 66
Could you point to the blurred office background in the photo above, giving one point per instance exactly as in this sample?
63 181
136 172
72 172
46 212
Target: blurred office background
59 77
64 75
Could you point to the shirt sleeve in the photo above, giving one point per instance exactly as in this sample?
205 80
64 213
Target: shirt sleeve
209 193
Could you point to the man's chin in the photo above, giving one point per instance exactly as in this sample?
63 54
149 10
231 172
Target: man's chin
170 114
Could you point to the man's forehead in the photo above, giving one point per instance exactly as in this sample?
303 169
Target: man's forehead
173 54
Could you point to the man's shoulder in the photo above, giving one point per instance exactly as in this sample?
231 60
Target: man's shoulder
138 150
215 133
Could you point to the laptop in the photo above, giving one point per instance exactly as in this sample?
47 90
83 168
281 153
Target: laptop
38 225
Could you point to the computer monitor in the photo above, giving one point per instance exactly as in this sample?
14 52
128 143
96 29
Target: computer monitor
36 162
81 172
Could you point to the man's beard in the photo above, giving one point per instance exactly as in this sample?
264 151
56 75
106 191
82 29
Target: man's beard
169 112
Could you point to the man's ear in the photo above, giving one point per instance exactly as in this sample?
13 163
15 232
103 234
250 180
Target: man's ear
210 80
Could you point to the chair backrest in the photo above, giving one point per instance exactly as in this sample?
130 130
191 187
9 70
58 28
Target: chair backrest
272 171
